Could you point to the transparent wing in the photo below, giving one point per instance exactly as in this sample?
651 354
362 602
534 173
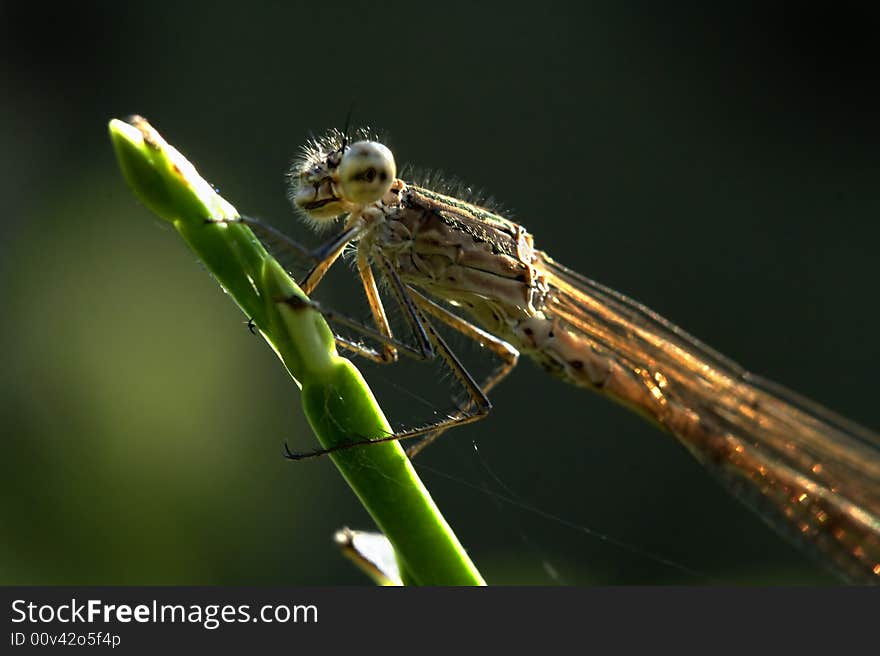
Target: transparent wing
810 473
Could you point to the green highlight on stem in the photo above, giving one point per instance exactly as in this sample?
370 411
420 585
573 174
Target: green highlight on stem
335 398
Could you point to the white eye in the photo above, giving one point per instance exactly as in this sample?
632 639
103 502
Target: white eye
366 172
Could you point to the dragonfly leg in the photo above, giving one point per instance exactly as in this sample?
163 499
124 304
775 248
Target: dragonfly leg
264 229
326 255
323 256
389 352
382 332
430 343
475 409
414 317
332 316
507 353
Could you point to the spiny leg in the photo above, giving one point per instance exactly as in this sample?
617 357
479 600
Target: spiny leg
507 353
332 316
413 316
389 352
428 338
382 331
481 404
477 407
265 230
323 256
328 253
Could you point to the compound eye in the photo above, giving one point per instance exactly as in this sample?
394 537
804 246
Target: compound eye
366 172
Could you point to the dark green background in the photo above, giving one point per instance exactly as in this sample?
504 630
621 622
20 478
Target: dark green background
721 167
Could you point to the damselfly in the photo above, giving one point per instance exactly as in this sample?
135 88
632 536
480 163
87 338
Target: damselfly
812 475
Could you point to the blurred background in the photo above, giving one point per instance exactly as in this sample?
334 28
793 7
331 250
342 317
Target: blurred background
719 165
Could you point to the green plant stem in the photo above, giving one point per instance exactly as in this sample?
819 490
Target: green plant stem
335 398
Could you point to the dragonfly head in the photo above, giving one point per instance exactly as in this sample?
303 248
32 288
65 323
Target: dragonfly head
335 178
